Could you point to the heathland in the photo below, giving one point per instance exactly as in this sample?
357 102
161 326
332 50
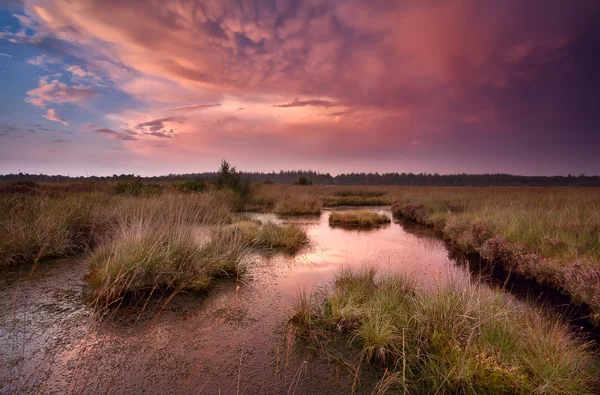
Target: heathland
140 238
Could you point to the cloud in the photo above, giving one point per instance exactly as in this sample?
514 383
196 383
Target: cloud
158 124
5 54
111 134
53 116
194 107
302 103
43 60
454 70
25 21
54 91
80 75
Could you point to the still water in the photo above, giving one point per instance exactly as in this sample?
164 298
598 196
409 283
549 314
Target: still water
237 339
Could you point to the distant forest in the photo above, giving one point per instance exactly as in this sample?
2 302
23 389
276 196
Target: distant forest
292 177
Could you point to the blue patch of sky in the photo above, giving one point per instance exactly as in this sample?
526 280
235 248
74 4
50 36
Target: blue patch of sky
17 77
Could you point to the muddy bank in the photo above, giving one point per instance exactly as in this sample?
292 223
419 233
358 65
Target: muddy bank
235 339
498 273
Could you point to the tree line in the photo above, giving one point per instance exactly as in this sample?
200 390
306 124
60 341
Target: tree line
317 178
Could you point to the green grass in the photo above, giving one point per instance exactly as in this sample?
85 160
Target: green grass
363 218
551 234
457 338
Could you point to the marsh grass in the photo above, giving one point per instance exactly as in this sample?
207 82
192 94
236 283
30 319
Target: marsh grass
38 227
355 201
550 234
298 204
359 193
166 245
458 338
288 237
42 226
358 218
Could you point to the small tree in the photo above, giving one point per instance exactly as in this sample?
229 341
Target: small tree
228 177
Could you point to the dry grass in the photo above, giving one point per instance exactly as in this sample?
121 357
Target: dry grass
43 226
161 245
358 218
551 234
460 338
300 204
287 238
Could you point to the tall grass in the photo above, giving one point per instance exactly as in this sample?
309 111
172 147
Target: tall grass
163 244
552 234
43 226
458 338
38 227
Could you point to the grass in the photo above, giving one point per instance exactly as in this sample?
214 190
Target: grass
550 234
298 204
458 338
286 238
355 201
166 244
37 227
359 193
358 218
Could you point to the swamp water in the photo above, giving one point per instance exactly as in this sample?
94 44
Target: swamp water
236 339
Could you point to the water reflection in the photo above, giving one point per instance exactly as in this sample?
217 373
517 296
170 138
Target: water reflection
234 339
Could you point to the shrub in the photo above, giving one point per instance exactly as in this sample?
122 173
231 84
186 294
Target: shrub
191 186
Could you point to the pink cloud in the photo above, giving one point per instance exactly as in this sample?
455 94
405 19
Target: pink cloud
53 116
54 91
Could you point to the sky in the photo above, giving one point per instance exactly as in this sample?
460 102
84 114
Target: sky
151 87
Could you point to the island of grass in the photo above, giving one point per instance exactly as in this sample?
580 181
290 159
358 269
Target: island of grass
361 218
458 338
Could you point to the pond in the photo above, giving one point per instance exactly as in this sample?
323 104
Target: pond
235 339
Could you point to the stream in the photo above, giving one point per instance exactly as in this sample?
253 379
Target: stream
236 339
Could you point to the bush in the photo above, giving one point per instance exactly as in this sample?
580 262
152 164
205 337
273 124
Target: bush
137 188
191 186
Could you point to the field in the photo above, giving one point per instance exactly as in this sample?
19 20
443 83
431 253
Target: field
143 239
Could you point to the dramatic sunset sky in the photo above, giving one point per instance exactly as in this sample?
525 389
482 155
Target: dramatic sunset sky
173 86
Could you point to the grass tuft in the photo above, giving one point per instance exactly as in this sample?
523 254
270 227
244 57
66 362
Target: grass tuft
458 338
358 218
